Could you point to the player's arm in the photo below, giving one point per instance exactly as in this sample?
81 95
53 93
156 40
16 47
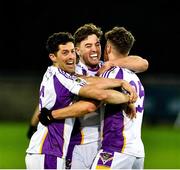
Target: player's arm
34 119
87 105
80 108
83 107
77 109
116 97
96 84
33 124
132 62
89 91
107 83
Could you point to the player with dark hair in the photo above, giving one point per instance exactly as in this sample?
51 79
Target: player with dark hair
122 147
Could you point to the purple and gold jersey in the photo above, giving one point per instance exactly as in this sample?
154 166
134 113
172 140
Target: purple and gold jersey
119 133
57 90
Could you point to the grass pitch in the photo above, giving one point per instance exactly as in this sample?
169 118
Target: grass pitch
162 146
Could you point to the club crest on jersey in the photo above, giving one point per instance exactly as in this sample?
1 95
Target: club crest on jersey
106 157
78 80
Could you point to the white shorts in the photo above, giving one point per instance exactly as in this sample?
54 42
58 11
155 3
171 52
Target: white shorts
84 155
116 160
42 161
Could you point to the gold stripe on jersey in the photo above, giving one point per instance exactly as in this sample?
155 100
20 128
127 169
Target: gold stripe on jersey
102 167
124 145
43 139
82 137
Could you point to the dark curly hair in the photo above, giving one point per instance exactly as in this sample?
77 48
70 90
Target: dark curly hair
122 39
53 42
84 31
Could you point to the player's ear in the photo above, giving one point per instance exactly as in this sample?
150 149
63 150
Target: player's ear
108 47
77 51
52 57
105 53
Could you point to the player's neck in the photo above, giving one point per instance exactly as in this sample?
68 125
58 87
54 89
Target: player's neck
90 67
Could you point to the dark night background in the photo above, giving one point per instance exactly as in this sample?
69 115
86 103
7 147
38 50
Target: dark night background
26 24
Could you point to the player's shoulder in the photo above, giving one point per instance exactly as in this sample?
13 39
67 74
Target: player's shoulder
111 71
116 70
49 73
128 71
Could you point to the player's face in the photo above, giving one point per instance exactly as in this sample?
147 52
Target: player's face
66 57
89 50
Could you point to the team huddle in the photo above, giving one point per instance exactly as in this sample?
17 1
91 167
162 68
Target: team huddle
90 111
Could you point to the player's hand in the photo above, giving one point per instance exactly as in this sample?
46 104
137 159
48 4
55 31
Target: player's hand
130 110
132 93
106 66
45 116
31 131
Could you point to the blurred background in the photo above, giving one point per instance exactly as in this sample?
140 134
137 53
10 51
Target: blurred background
25 27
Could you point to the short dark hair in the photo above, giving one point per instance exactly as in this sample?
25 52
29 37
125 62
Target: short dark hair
122 39
56 39
84 31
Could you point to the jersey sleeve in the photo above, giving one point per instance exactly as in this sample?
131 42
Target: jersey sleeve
72 83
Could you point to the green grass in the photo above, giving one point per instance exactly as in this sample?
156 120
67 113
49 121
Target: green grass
162 146
13 143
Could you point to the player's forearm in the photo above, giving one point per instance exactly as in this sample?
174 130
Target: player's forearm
97 90
77 109
107 96
115 97
92 92
133 62
105 83
34 119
